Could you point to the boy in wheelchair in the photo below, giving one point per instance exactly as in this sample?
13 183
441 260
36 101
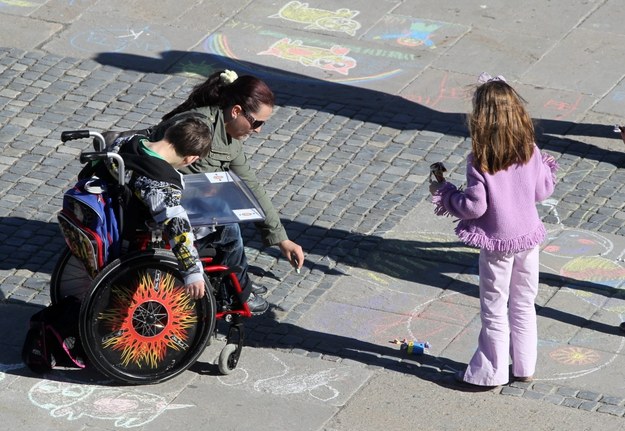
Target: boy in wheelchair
156 190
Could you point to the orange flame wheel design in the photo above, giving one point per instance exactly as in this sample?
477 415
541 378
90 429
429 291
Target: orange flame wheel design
137 323
147 321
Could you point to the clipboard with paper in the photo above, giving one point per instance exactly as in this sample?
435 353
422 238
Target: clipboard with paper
219 198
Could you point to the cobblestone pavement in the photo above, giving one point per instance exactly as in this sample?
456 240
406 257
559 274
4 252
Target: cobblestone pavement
346 166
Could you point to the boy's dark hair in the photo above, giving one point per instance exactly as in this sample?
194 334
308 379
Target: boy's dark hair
190 137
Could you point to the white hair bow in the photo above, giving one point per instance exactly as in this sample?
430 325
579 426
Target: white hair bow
228 76
485 77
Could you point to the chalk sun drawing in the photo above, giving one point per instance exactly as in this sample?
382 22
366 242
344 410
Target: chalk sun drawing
340 20
575 356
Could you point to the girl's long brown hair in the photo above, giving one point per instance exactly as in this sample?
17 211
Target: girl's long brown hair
502 130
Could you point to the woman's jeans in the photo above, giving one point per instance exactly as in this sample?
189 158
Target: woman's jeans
228 243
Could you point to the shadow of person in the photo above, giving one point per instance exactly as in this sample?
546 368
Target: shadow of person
363 104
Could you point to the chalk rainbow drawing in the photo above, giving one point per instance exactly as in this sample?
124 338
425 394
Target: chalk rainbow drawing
340 20
219 45
334 59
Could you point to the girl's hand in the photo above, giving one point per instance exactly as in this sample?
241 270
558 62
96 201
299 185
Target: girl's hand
435 186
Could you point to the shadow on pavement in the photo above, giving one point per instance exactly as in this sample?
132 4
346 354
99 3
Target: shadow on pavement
365 104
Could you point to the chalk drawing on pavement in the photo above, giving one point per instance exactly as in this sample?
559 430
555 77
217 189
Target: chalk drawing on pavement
562 108
18 3
373 69
573 355
572 243
192 69
340 20
128 408
287 382
121 40
8 367
444 92
574 361
418 34
334 59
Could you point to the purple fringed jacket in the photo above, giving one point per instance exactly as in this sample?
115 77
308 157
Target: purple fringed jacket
498 212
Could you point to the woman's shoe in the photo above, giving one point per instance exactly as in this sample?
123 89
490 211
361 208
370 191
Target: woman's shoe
258 289
257 304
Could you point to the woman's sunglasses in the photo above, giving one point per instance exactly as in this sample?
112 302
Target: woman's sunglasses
254 123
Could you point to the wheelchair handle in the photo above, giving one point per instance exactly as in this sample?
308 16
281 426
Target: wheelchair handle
71 135
88 156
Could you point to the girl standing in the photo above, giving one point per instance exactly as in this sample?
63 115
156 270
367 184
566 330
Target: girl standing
506 176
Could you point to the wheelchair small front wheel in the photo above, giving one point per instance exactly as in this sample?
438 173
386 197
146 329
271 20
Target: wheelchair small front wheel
228 359
138 325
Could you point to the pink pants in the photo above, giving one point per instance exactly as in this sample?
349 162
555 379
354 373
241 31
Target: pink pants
508 287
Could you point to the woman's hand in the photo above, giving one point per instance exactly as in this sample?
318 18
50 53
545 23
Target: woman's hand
293 252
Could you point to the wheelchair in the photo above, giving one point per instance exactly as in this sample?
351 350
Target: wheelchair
136 323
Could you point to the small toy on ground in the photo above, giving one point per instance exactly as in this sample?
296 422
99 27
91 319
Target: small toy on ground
412 347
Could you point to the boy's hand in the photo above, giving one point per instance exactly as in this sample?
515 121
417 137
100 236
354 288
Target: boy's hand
195 290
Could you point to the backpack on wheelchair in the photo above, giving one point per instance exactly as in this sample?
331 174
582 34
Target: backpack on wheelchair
136 322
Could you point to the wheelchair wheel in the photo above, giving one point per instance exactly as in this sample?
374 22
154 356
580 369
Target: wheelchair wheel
228 359
137 324
69 278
